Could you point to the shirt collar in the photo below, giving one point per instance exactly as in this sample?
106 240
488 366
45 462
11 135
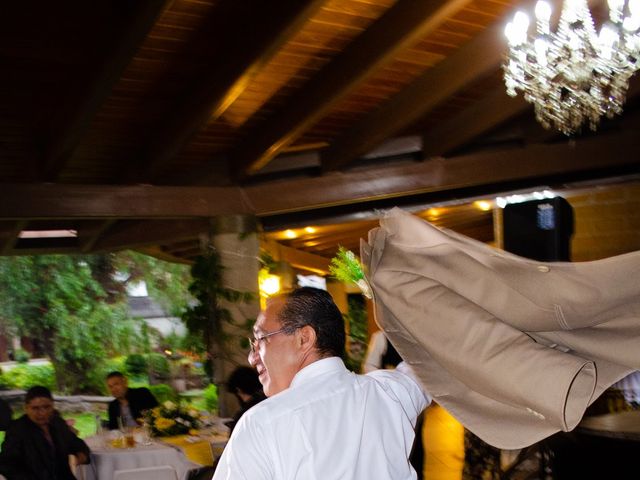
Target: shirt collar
317 368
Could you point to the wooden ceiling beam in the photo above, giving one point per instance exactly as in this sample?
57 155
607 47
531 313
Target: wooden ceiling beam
119 202
159 253
89 239
242 40
76 113
399 27
139 234
471 62
577 156
11 237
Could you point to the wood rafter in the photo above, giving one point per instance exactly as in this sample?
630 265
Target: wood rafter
75 114
11 237
474 60
87 244
403 24
239 49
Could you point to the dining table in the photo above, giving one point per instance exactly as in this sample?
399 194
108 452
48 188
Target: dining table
106 459
184 453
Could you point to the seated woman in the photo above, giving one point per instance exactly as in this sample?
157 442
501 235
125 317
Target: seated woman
38 444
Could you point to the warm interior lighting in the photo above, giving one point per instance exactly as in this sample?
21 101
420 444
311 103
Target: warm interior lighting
483 205
309 229
268 283
433 212
290 234
502 202
48 234
574 76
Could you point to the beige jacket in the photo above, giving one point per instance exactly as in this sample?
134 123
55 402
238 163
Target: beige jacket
515 349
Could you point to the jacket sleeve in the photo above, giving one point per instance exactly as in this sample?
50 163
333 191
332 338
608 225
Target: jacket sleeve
12 456
147 399
77 445
5 415
113 415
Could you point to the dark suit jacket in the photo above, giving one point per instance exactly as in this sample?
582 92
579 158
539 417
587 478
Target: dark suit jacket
27 455
139 399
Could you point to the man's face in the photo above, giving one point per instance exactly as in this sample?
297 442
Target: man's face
117 386
39 410
275 358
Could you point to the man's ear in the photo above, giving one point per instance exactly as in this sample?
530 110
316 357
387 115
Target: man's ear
307 337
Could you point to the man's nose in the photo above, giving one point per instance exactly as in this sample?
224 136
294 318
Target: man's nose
252 357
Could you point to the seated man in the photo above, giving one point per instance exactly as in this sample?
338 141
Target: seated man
129 404
38 444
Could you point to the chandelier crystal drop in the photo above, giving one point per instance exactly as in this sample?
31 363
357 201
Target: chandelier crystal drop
574 76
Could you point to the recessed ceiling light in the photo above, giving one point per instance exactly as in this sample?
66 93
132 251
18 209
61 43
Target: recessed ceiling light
48 234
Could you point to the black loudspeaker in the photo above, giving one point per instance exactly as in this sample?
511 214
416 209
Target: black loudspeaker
539 229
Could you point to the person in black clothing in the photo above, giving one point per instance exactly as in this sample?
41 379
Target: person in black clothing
129 404
38 444
244 384
5 414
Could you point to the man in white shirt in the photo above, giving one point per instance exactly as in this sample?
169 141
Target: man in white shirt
321 421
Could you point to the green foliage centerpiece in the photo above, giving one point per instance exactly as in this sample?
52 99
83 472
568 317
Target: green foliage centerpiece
170 418
346 267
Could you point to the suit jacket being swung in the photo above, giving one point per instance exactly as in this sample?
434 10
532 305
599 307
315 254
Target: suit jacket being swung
515 349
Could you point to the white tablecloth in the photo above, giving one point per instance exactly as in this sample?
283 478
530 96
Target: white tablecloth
105 460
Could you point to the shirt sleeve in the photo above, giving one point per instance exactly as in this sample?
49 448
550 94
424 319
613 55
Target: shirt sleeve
406 387
246 456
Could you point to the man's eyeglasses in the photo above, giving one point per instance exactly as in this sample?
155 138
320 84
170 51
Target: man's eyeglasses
254 343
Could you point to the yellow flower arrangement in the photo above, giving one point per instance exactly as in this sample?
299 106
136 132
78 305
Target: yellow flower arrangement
170 418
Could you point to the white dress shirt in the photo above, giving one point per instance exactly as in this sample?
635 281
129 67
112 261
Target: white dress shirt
329 424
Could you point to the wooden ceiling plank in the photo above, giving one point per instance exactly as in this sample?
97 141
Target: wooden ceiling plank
471 62
403 24
249 42
76 113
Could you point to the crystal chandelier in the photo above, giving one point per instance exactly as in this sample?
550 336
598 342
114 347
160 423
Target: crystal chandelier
574 76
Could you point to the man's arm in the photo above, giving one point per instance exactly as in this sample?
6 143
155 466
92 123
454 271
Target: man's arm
75 445
375 351
12 456
147 400
246 456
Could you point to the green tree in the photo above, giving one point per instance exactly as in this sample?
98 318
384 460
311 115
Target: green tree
74 310
166 282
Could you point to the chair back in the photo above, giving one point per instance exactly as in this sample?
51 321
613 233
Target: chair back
164 472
